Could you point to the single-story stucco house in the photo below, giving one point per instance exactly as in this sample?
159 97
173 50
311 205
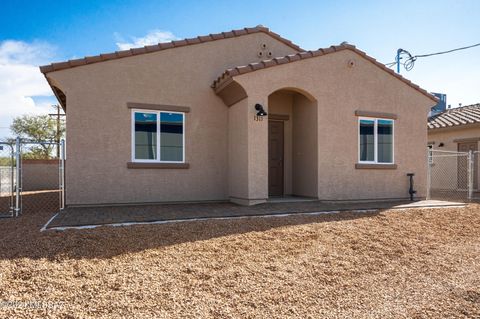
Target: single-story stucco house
243 116
457 130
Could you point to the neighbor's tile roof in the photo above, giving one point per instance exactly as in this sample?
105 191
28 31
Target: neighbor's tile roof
464 115
163 46
229 73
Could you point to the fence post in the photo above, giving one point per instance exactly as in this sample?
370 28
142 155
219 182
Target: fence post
62 174
18 186
429 173
470 174
12 180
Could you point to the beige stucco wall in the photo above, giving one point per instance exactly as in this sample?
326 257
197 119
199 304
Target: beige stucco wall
40 175
226 148
340 90
305 147
99 123
238 151
300 141
281 103
448 137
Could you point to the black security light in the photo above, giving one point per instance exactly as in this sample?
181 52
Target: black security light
260 110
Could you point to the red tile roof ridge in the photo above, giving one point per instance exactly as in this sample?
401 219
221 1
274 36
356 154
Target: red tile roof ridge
163 46
254 66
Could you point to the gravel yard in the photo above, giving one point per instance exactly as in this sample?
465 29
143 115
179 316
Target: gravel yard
391 264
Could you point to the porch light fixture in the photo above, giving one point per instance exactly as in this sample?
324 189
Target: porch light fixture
260 112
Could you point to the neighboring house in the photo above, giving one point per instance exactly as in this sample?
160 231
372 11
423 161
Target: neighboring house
178 122
456 130
440 106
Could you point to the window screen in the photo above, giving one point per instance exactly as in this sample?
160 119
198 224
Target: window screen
145 136
367 146
385 141
171 137
376 140
158 136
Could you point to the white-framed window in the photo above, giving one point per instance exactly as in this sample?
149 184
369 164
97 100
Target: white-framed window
375 140
158 136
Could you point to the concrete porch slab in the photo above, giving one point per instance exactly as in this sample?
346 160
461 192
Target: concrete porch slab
290 199
116 215
428 204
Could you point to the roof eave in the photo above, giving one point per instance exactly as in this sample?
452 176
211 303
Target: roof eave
61 97
454 127
229 74
164 46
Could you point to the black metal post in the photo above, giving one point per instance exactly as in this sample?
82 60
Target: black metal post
411 191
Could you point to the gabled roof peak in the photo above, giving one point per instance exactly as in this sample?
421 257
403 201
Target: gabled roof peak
226 76
163 46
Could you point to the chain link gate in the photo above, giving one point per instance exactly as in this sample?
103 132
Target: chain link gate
32 177
7 180
476 176
41 176
450 175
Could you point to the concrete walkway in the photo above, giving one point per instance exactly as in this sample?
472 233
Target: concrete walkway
86 216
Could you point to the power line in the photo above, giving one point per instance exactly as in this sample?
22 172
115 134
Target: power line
57 135
410 60
448 51
392 64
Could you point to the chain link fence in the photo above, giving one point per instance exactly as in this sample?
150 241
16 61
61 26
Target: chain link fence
450 175
41 176
7 180
31 177
476 176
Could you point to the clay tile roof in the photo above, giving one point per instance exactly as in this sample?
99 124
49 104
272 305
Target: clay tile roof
123 53
464 115
76 62
149 48
256 66
305 54
281 60
88 59
179 43
163 46
240 32
135 51
226 76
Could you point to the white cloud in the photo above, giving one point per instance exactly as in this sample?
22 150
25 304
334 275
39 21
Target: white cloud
19 52
21 80
152 37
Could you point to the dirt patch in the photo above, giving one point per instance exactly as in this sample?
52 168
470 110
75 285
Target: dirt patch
392 264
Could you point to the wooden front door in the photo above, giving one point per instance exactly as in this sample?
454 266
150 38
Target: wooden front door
463 165
275 158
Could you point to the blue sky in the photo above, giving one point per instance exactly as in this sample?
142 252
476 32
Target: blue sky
38 32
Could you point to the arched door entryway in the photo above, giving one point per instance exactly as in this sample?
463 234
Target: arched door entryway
292 144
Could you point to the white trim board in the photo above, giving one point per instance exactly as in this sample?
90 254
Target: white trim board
171 221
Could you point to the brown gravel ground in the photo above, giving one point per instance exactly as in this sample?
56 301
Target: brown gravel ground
391 264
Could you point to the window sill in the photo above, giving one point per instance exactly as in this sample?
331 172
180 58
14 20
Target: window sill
375 166
140 165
